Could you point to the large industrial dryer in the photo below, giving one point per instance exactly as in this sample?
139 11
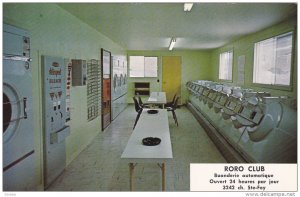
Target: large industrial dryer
18 135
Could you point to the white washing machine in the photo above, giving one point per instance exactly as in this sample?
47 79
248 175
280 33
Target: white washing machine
18 134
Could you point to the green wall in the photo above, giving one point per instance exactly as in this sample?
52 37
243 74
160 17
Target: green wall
204 64
55 32
245 46
195 65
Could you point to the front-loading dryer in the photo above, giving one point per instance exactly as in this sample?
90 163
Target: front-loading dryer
18 134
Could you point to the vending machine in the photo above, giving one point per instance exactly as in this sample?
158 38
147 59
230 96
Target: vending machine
55 116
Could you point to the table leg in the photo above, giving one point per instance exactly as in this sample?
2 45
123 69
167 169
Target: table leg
163 176
131 170
163 173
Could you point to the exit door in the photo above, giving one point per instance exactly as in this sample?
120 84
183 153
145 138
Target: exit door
106 88
171 76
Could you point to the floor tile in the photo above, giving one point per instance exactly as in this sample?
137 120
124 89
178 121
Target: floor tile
99 167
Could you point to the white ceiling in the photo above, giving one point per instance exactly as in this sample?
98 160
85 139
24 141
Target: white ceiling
150 26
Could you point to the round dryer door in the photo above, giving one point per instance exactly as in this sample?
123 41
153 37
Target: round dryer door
11 111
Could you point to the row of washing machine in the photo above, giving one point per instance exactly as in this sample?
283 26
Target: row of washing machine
261 128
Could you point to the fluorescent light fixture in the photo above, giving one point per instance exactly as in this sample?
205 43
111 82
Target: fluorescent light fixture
172 43
187 7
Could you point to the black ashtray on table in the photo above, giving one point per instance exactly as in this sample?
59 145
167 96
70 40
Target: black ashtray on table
152 111
151 141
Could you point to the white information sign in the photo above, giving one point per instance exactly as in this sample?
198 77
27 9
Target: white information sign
243 177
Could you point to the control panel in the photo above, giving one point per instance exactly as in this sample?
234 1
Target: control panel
68 67
19 43
55 116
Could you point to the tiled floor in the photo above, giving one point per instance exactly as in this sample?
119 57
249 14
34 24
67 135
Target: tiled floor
99 167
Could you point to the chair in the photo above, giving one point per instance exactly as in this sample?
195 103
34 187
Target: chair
173 108
143 105
138 109
169 104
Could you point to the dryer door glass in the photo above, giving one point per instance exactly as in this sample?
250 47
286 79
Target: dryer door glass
12 113
7 112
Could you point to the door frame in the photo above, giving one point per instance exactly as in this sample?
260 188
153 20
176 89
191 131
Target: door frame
102 95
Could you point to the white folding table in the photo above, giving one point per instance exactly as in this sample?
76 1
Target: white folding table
149 125
157 98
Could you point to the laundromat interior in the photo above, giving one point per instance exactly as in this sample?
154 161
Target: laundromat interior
214 82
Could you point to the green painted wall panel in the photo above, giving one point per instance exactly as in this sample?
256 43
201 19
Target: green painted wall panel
245 46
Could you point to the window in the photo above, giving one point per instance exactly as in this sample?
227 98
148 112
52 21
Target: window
140 66
136 66
150 66
225 67
272 60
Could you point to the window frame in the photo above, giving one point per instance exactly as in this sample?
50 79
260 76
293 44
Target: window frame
276 86
226 51
144 76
